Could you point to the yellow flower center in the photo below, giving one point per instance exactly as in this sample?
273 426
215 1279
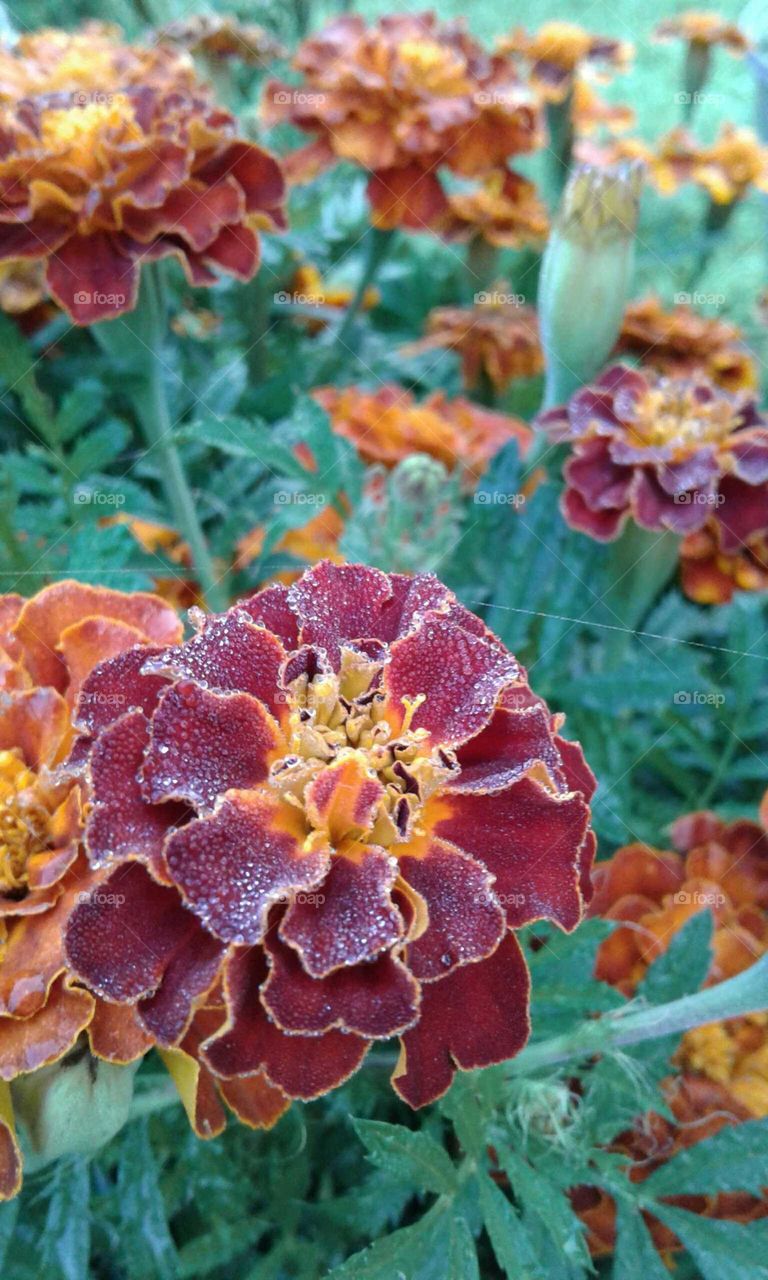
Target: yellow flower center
561 43
378 775
24 820
76 131
670 413
81 65
433 67
734 1055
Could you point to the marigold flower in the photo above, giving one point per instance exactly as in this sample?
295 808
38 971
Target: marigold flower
401 98
705 29
318 539
680 341
49 646
496 339
339 798
505 210
711 575
388 425
93 188
667 452
735 162
591 113
310 289
558 50
221 36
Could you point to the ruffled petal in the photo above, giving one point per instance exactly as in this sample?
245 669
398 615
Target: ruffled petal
26 1044
37 722
117 686
10 1155
115 1033
509 747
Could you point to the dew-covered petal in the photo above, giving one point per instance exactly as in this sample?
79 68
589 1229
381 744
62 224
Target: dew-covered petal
530 839
475 1017
351 918
203 743
189 974
117 686
376 1000
232 866
512 744
270 608
460 675
342 800
411 598
90 642
302 1066
339 603
466 921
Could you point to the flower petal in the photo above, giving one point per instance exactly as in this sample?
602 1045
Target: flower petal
26 1044
506 749
115 1033
93 277
10 1155
37 722
117 686
270 608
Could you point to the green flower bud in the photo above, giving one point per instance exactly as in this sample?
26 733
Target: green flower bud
586 273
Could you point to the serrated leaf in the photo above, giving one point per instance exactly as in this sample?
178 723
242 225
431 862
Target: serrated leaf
722 1250
98 447
462 1254
635 1256
551 1206
66 1240
408 1153
413 1253
682 968
735 1159
506 1233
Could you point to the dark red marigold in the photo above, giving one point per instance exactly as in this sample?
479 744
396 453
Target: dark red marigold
340 799
93 188
668 452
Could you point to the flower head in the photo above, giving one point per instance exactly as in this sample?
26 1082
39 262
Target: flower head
711 575
667 452
339 799
727 169
706 29
388 425
505 210
402 98
50 644
683 342
497 338
558 50
94 187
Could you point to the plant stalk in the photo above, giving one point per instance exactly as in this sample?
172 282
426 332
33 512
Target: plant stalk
378 244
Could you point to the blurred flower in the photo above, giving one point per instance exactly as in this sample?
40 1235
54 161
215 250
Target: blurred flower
505 210
89 65
22 286
388 425
497 338
318 539
558 50
222 36
310 289
591 113
179 591
402 98
356 748
711 575
703 29
50 644
735 162
681 342
93 188
667 452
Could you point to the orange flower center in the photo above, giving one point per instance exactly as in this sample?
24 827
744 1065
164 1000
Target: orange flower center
670 413
76 131
732 1054
561 43
24 820
351 772
433 67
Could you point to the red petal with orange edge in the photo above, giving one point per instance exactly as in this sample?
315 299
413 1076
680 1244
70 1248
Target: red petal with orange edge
235 250
204 743
636 869
406 198
106 947
230 654
32 957
93 277
191 211
256 171
339 603
466 922
460 674
376 1000
197 1086
115 1033
603 526
190 973
530 839
232 866
52 610
254 1101
117 686
351 919
121 823
26 1044
302 1066
85 644
506 749
270 608
475 1017
37 722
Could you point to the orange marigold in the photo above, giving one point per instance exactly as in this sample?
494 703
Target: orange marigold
93 187
402 98
681 341
505 210
704 29
558 50
735 161
709 574
497 339
388 425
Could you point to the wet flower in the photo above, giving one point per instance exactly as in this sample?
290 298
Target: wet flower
222 36
681 341
388 425
558 50
706 29
49 646
401 98
497 339
505 210
310 800
711 575
93 188
665 452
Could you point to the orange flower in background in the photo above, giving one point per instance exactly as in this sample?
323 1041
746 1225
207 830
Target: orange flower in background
711 575
497 339
90 64
49 645
401 98
727 170
681 341
309 288
505 210
388 425
95 185
703 29
590 113
221 36
318 539
178 590
558 50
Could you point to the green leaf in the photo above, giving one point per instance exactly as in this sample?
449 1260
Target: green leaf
408 1154
142 1213
635 1256
682 968
462 1255
722 1250
65 1245
413 1253
735 1159
552 1206
8 1215
506 1233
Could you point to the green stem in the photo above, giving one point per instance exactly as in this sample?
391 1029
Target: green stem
641 564
377 247
150 1101
560 128
482 257
747 993
152 409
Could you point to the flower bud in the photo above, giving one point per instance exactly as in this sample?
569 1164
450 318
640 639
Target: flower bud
586 274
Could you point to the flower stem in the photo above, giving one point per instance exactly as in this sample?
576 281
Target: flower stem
745 994
152 409
641 564
378 244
